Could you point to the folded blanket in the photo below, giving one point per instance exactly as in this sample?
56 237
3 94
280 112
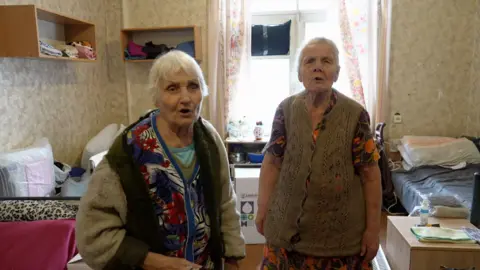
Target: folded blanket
441 235
450 212
39 245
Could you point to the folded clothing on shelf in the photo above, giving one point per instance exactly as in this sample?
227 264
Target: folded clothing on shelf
84 49
133 57
154 50
68 50
187 47
48 49
135 50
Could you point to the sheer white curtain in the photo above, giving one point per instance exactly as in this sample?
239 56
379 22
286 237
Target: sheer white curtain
228 51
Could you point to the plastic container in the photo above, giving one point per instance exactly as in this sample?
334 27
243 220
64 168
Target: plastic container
424 212
255 157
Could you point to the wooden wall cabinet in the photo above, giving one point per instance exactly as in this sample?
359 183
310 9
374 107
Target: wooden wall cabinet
23 26
169 35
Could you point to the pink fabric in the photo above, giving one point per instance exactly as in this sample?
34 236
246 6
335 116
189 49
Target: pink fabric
135 49
86 52
40 245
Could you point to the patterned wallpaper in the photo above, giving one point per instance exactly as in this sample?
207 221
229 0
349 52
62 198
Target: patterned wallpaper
433 76
67 102
473 125
155 13
433 67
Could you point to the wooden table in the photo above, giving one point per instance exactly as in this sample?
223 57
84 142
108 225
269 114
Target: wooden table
404 251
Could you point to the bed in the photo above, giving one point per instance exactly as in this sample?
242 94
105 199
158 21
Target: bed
411 186
43 227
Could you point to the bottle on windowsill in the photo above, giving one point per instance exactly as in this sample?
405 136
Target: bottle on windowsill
258 131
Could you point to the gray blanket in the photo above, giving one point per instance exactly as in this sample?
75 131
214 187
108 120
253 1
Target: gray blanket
412 185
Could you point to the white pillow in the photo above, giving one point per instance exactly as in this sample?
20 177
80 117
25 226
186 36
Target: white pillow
446 152
95 160
101 142
28 171
119 132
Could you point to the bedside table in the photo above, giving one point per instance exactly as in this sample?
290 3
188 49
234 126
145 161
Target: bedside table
405 252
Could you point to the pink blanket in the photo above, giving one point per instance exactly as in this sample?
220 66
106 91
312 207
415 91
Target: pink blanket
42 245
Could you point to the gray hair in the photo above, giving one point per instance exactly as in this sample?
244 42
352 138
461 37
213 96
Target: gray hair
318 40
169 64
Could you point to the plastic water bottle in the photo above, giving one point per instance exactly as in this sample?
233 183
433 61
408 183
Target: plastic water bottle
424 212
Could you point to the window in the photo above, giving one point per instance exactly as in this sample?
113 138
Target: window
273 78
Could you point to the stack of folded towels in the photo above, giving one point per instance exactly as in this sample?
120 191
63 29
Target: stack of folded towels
441 235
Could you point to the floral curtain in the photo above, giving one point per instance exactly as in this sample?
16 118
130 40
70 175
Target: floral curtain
364 28
228 50
353 28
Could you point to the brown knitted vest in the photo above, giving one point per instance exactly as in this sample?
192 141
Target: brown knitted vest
333 216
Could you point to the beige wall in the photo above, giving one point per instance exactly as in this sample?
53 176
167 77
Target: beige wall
473 125
156 13
67 102
432 67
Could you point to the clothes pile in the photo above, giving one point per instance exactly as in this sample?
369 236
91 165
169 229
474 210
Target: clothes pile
76 49
84 48
49 50
150 50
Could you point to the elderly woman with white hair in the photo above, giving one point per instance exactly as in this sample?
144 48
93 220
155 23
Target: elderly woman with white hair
162 197
320 192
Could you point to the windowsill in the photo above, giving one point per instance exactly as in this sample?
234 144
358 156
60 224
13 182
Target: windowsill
249 140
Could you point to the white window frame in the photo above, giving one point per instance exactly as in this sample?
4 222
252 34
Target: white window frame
297 32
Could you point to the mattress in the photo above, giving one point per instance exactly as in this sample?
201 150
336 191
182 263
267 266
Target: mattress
412 185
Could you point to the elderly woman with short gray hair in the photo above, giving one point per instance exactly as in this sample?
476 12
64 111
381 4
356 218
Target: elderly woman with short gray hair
320 194
162 197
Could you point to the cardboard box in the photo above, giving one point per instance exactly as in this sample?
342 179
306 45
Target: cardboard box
246 188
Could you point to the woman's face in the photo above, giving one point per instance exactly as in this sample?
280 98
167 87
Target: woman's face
180 100
318 68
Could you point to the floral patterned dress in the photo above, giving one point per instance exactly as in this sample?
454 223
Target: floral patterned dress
177 196
364 153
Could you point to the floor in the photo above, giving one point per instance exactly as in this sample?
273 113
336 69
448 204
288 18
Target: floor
255 252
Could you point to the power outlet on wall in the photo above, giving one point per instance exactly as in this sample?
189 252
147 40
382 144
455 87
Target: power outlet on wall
397 118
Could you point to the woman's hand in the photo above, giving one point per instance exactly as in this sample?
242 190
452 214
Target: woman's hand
231 265
155 261
370 244
259 220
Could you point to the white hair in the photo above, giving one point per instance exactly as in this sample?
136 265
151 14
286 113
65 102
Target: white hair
168 65
314 41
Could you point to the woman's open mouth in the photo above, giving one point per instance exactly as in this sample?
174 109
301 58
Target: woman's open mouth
185 112
318 79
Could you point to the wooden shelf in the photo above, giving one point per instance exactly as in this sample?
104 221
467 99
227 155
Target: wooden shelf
23 26
65 58
170 36
139 60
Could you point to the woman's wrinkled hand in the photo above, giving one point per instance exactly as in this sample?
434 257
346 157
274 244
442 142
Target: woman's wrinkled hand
155 261
370 244
259 220
231 266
